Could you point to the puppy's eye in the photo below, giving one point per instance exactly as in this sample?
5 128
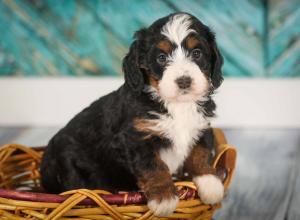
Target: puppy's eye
196 54
162 59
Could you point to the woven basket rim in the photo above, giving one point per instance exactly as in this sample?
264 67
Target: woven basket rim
112 199
123 198
186 190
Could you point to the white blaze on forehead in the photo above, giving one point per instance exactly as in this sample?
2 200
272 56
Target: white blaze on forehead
177 28
180 63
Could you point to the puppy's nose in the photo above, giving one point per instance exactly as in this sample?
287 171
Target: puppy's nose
184 82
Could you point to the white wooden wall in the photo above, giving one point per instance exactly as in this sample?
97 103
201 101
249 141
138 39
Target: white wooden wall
253 102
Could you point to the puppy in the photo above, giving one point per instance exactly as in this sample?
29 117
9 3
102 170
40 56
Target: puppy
138 136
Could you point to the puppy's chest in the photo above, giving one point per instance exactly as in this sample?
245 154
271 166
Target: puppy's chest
182 126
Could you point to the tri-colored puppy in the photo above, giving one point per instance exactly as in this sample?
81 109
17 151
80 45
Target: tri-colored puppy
154 124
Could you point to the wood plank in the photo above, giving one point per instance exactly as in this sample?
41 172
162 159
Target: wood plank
264 182
73 38
9 134
284 38
33 136
293 212
91 37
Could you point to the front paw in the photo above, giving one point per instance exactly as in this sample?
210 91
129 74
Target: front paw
210 188
163 207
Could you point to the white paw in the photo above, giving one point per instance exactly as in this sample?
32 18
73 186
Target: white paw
210 188
163 208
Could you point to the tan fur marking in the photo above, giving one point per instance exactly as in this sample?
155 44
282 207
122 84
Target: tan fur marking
145 126
192 42
157 184
165 46
153 82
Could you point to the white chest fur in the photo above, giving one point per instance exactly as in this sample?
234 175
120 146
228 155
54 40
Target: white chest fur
182 126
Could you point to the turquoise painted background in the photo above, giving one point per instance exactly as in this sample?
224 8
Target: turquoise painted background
89 37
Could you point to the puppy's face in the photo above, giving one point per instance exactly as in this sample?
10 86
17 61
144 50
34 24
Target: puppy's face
176 59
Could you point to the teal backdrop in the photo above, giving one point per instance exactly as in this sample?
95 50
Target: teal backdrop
258 38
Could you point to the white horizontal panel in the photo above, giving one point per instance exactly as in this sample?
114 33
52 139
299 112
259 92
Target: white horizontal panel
54 101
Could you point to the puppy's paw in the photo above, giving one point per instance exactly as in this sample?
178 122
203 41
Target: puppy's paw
163 208
210 188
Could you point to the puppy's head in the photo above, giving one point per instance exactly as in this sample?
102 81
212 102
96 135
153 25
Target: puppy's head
176 58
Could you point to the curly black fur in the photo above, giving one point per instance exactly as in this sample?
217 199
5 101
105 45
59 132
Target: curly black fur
100 147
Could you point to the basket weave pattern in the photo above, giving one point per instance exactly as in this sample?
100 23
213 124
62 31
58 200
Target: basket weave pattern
21 196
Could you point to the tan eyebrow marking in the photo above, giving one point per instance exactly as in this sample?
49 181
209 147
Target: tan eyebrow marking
192 42
165 46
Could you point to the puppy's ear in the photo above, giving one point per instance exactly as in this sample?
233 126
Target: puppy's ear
216 59
132 62
217 62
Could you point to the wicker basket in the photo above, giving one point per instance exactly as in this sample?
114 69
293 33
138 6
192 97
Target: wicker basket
21 196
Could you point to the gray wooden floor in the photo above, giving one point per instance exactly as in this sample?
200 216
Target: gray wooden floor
267 181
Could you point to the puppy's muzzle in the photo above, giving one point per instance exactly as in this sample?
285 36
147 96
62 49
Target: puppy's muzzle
184 82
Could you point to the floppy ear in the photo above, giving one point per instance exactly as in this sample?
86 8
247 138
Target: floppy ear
132 63
217 62
216 59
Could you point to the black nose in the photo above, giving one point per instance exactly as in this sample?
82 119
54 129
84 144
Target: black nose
184 82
